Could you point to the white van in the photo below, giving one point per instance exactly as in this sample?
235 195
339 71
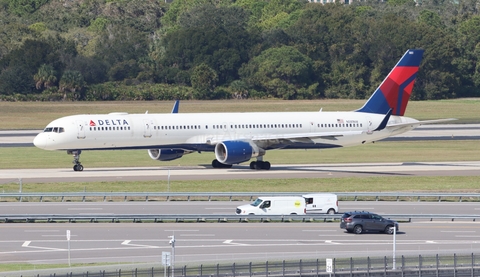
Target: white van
274 205
321 203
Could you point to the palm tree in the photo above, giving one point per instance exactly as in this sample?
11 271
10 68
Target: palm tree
45 77
72 81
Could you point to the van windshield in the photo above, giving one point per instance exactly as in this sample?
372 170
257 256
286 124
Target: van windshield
257 202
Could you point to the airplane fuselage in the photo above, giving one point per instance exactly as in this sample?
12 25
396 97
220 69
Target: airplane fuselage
200 132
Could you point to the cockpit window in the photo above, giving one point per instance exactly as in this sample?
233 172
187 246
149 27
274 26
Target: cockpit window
54 130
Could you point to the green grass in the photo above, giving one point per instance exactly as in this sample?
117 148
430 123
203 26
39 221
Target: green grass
346 184
25 267
406 151
36 115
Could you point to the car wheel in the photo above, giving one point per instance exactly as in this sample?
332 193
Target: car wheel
389 230
331 211
358 229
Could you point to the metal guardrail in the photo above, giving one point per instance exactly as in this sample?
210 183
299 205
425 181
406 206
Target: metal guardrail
214 218
167 196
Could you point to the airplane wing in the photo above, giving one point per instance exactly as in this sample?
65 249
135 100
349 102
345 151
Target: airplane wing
282 140
418 123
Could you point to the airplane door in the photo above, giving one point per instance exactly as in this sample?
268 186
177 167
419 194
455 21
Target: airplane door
229 131
313 127
80 130
147 128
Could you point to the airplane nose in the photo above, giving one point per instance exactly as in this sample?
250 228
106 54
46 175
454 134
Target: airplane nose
40 141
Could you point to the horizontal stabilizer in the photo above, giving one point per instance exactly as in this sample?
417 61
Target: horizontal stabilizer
419 123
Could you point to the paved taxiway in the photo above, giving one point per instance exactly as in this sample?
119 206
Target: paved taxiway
467 168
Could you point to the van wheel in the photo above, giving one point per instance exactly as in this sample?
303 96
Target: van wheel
331 211
293 214
358 229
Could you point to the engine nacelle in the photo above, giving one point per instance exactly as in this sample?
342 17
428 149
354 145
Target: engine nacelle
234 152
165 154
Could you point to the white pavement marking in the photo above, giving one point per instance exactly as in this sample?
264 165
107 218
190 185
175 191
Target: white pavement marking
127 242
331 242
229 242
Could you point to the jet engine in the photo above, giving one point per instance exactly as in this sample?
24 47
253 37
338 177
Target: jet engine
165 154
234 152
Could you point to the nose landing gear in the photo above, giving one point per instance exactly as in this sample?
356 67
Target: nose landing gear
76 160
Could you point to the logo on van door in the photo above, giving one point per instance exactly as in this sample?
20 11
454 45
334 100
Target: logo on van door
297 203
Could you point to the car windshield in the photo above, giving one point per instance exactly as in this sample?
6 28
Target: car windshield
345 215
257 202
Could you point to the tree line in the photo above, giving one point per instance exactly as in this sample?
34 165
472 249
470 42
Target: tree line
220 49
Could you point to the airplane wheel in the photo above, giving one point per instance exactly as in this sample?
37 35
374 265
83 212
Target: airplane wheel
78 167
260 165
252 165
215 164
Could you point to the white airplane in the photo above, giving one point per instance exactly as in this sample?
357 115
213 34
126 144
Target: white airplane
238 137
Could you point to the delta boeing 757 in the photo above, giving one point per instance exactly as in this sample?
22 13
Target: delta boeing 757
238 137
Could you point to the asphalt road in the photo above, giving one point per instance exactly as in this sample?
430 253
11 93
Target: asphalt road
225 242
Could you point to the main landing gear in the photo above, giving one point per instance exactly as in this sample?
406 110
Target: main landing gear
76 160
260 165
253 165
